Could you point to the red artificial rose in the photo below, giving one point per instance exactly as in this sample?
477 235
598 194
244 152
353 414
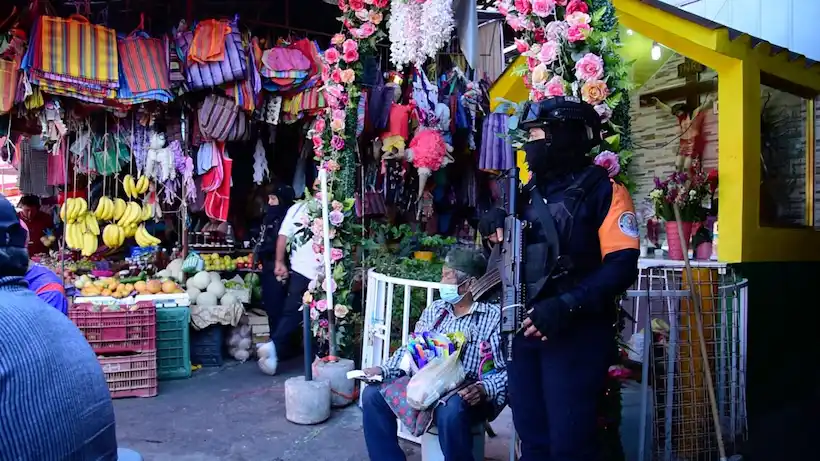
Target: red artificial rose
356 5
577 5
380 3
343 5
540 35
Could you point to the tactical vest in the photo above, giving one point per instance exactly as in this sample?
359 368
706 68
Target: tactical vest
550 267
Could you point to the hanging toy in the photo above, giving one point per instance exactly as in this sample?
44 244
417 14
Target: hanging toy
260 163
428 152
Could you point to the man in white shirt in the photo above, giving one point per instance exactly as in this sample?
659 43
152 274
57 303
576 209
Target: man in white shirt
303 268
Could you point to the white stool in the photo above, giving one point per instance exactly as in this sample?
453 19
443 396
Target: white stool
431 449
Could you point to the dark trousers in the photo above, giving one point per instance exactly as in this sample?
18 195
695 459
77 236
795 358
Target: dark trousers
555 389
290 317
274 294
454 421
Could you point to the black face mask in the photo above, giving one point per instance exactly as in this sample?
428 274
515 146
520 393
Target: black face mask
546 159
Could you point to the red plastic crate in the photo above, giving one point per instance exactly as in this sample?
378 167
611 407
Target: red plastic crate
131 375
132 329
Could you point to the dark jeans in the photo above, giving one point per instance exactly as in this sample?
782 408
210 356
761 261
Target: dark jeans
290 317
274 294
454 421
555 388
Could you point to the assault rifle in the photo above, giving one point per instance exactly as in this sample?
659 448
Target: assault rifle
513 310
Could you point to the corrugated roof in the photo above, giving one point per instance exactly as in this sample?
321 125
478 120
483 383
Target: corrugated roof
734 34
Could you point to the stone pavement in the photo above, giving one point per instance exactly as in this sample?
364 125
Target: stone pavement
236 413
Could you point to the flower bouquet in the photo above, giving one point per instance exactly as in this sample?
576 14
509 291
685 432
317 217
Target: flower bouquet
688 192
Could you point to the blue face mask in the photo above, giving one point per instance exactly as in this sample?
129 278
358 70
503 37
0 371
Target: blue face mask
449 294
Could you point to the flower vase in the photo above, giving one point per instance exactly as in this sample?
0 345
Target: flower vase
673 238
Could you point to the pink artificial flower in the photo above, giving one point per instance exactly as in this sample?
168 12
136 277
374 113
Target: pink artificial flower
321 305
347 76
561 2
340 311
337 39
578 33
350 45
363 15
523 6
556 30
555 87
604 111
594 91
331 288
333 166
351 56
314 314
317 142
577 6
336 217
577 18
356 5
536 95
332 55
380 3
336 205
336 254
543 8
337 125
337 143
609 160
376 17
503 8
549 52
323 325
320 125
367 30
521 46
589 67
336 75
515 23
342 5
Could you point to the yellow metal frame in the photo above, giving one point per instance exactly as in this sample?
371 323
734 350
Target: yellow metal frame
811 153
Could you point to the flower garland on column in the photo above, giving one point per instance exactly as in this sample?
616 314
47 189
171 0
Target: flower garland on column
571 50
333 135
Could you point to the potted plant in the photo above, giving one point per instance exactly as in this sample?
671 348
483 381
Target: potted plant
430 245
688 191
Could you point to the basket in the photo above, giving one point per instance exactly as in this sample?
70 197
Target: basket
206 346
173 349
130 329
130 375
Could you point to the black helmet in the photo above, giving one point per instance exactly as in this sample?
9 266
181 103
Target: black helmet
567 119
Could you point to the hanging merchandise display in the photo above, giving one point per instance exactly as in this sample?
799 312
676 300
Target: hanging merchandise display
418 30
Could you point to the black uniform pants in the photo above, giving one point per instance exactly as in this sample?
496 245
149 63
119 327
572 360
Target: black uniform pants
290 318
555 387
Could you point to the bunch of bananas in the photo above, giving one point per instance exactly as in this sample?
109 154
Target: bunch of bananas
113 236
105 209
134 189
73 209
144 238
82 234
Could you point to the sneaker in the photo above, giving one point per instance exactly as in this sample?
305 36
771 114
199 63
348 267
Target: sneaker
263 350
268 363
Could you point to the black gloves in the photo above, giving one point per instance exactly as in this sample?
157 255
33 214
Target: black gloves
552 316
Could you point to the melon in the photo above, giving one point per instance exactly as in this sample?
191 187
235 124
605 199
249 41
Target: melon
216 288
200 281
154 286
206 299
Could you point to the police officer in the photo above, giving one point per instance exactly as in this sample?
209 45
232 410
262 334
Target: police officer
581 253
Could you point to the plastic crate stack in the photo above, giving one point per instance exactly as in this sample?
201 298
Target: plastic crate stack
124 338
206 346
173 342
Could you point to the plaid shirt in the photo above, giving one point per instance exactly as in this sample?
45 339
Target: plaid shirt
483 324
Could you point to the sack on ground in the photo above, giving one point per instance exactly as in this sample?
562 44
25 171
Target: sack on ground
435 380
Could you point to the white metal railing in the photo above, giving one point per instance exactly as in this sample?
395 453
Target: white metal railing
378 319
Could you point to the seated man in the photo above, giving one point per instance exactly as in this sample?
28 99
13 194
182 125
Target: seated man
55 401
484 396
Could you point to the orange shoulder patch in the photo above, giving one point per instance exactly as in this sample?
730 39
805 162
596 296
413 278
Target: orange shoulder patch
619 231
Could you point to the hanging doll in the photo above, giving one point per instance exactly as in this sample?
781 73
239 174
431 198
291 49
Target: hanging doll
260 163
394 140
159 164
428 152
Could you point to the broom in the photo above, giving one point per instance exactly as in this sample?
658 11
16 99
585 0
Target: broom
710 387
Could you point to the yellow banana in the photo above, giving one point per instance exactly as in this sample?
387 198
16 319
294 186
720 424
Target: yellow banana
119 208
120 236
109 209
145 239
132 213
129 186
62 212
69 238
71 207
147 212
89 244
83 206
106 236
91 224
142 184
99 212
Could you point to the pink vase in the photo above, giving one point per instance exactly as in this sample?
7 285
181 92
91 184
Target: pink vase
673 238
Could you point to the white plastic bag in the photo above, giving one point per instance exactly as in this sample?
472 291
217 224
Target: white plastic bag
435 380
